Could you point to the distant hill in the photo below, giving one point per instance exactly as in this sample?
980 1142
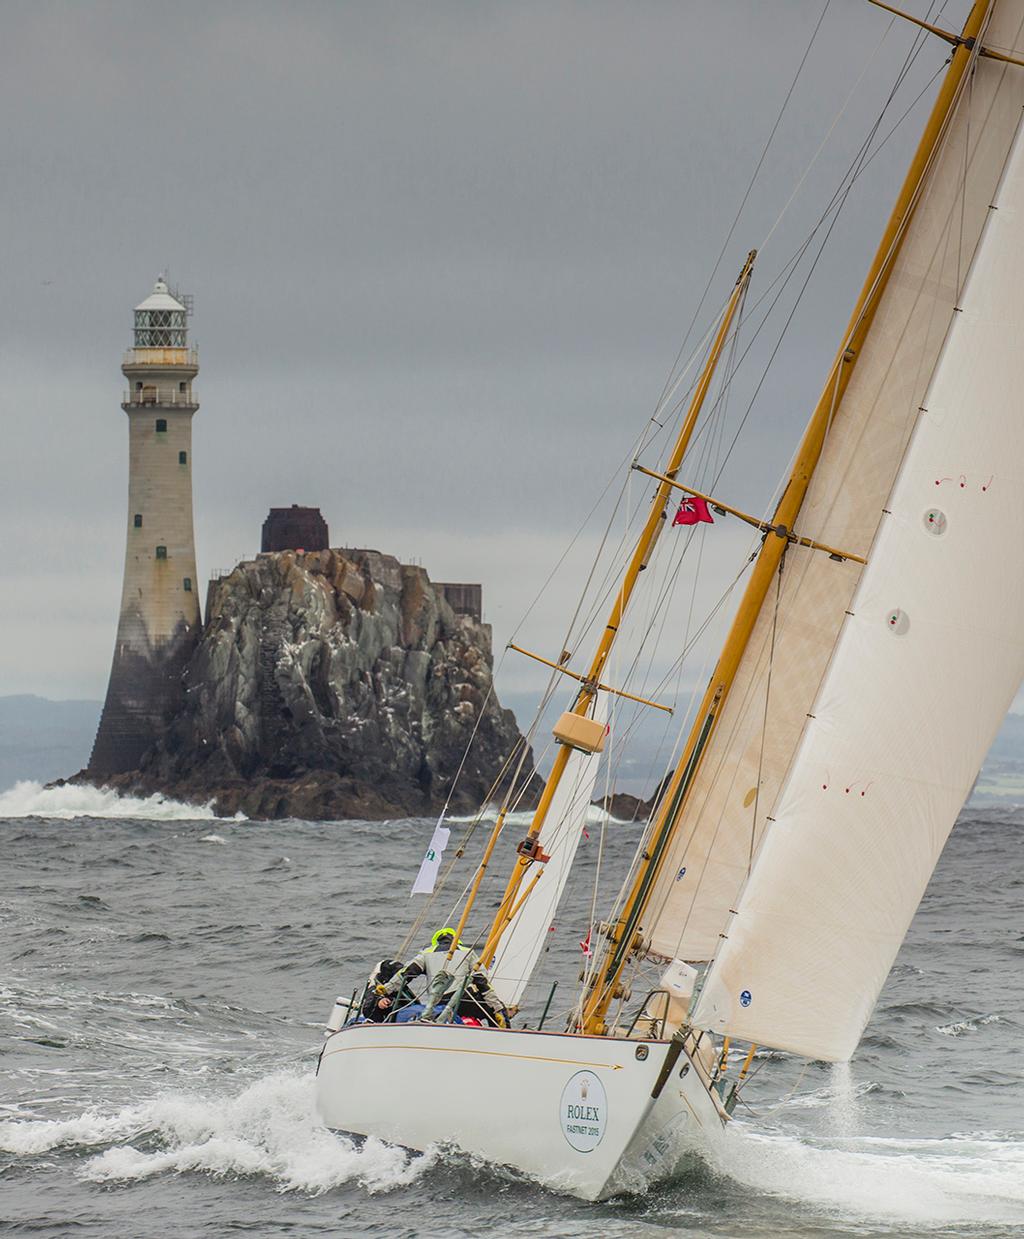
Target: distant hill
43 740
1009 743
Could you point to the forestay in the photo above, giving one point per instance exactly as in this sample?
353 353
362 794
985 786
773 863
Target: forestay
560 836
753 746
927 663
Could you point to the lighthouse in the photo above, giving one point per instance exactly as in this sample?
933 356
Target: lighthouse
159 622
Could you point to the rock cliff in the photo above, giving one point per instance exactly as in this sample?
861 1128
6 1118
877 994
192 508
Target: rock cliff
332 684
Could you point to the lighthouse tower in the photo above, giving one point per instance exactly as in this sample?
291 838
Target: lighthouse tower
159 622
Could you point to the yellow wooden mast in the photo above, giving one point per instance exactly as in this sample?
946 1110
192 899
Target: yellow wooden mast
528 850
624 937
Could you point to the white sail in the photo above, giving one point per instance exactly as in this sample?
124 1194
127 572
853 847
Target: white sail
928 661
560 836
752 748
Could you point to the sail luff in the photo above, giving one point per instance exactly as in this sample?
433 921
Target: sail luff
657 846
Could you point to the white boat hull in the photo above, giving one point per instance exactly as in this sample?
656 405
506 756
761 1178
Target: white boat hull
574 1112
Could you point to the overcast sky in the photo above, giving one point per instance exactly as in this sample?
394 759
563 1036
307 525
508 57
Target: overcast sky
442 254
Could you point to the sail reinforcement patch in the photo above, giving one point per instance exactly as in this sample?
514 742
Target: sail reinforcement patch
898 622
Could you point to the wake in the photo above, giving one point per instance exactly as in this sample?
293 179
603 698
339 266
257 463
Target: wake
271 1130
975 1178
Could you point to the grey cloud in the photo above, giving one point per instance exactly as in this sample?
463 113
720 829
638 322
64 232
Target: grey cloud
442 257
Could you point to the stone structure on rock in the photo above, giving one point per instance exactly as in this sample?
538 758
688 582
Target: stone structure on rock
294 529
159 623
463 599
334 684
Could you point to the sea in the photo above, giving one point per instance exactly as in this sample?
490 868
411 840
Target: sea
166 977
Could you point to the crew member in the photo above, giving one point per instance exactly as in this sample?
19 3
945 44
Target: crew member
375 1007
448 978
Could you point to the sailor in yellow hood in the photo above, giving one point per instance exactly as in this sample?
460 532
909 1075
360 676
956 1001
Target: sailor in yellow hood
447 977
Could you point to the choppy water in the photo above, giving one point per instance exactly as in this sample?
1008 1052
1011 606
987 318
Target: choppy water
165 980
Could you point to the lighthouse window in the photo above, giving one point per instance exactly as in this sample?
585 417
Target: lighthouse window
138 385
183 458
138 520
161 552
187 583
182 386
161 425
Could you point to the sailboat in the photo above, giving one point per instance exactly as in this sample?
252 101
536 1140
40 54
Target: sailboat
877 646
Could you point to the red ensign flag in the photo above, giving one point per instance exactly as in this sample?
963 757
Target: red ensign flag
692 511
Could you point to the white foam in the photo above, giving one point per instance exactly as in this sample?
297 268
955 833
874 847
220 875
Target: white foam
30 799
213 839
934 1182
965 1026
596 816
269 1129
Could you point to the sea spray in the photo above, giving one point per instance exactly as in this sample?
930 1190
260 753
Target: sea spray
31 799
844 1110
269 1129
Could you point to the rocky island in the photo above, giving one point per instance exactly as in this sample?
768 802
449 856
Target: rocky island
332 684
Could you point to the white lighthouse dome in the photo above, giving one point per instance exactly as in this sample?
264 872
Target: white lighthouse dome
160 298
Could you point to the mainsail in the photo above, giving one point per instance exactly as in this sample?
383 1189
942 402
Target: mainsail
763 719
927 664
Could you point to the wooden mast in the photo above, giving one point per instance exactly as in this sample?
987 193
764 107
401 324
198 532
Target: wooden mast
624 936
528 851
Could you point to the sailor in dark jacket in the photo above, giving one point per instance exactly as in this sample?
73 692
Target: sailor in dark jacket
376 1008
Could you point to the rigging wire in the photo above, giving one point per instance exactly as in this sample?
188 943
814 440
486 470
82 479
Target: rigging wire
748 191
854 171
834 209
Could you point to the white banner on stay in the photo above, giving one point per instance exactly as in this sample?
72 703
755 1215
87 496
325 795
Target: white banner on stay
427 875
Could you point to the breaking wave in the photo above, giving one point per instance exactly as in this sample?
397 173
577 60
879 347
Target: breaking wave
31 799
596 816
270 1129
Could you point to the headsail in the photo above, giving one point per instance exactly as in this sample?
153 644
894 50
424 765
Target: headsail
520 948
758 732
927 664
